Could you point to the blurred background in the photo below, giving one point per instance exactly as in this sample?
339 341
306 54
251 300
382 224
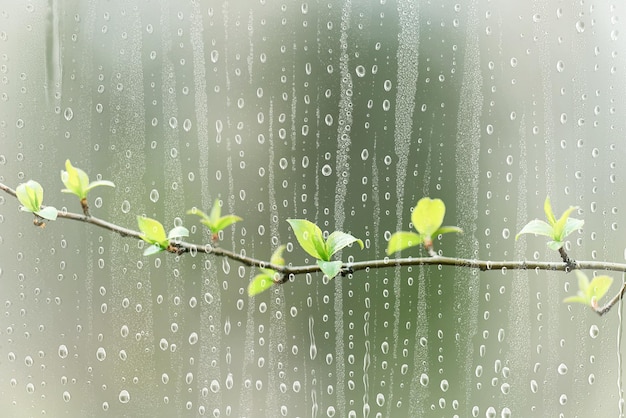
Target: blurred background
344 113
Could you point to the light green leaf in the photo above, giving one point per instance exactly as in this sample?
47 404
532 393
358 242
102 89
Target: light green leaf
330 268
572 225
97 183
598 287
48 212
448 229
577 299
259 284
339 240
277 256
310 238
152 231
265 280
215 222
75 180
225 221
536 227
402 240
428 215
559 226
153 249
547 208
555 245
583 281
589 293
216 212
178 232
30 195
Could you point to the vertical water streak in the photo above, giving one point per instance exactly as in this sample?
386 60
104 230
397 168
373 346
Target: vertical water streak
467 284
407 64
342 167
54 66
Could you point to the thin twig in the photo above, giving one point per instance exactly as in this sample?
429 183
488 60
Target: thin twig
601 311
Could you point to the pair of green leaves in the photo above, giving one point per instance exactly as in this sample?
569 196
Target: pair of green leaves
77 182
153 233
312 241
556 229
215 222
590 292
267 277
427 217
30 195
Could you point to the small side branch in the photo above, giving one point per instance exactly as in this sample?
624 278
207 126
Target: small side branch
602 310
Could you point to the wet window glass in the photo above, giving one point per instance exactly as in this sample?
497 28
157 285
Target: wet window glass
343 113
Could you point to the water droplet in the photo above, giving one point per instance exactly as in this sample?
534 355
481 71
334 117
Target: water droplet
63 352
154 195
327 170
68 113
124 396
101 354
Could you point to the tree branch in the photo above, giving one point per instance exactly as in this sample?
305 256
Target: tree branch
289 271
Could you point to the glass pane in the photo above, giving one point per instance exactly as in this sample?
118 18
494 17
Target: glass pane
342 113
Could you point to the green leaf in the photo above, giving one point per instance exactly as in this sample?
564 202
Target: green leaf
216 211
310 238
277 256
266 279
76 181
577 299
589 293
536 227
559 226
48 212
152 231
572 225
330 268
97 183
30 195
402 240
598 287
215 222
547 208
339 240
178 232
555 245
555 229
448 229
225 221
259 284
153 249
428 215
